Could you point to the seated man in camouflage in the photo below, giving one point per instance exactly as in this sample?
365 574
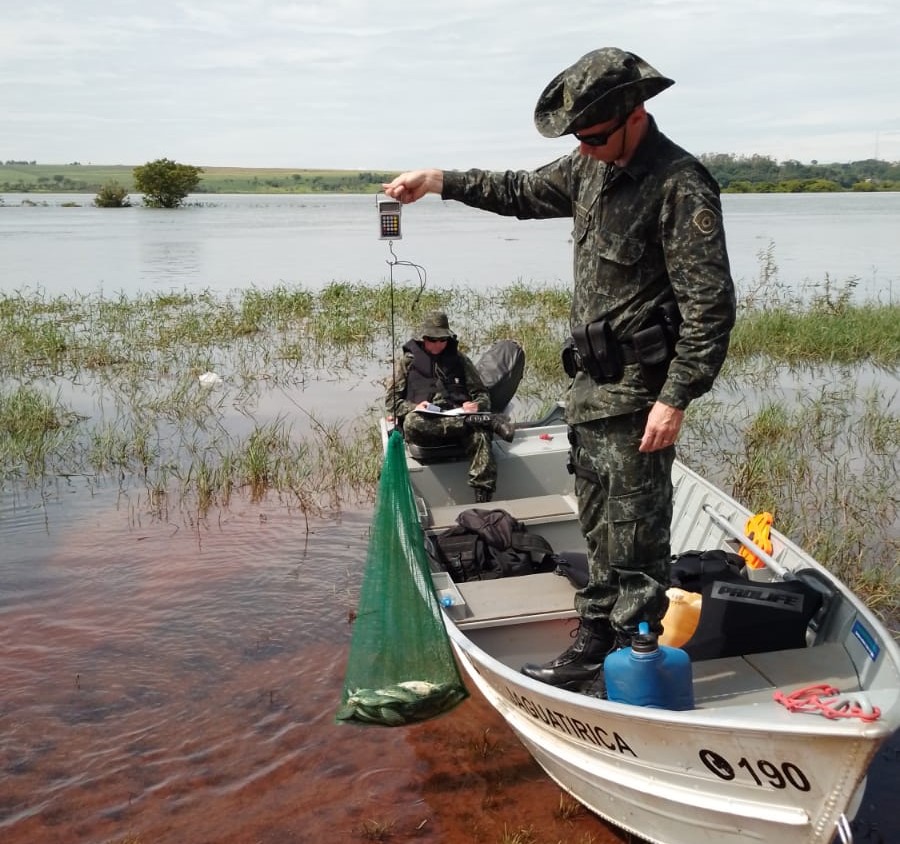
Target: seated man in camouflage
433 371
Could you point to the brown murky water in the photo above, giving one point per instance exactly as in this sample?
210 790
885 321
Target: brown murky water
171 681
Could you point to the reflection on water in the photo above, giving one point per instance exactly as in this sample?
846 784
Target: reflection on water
170 264
176 681
153 670
172 682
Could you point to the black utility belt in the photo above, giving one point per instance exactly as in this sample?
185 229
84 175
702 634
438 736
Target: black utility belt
595 349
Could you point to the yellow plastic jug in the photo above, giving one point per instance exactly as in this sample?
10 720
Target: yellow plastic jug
682 617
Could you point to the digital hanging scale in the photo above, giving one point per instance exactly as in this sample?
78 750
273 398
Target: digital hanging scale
389 219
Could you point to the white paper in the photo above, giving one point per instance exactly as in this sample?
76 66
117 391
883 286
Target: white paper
436 411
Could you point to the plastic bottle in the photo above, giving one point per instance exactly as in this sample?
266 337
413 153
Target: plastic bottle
649 674
681 618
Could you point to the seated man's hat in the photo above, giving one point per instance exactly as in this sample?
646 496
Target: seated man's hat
600 86
435 325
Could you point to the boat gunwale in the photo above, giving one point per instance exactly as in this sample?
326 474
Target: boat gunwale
716 718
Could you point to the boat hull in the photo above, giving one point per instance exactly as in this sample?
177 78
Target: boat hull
738 767
683 778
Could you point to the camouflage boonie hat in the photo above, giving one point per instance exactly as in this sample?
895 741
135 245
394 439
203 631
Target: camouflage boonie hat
435 325
600 86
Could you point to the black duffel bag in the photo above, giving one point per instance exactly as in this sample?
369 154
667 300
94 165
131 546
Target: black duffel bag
487 544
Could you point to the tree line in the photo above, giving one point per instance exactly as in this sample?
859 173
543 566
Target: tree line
165 183
762 174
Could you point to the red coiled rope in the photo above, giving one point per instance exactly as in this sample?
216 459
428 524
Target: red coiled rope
826 700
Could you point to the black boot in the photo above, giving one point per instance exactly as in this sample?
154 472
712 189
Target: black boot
597 686
502 427
577 668
482 496
495 422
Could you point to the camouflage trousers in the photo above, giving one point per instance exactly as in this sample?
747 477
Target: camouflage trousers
426 429
625 510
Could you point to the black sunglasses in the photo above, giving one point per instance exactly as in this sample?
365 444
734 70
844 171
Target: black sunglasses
436 339
599 139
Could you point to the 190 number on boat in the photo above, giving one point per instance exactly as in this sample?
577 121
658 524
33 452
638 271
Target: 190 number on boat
762 771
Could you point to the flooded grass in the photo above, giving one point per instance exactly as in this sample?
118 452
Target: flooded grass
803 421
522 835
824 463
376 830
36 430
568 808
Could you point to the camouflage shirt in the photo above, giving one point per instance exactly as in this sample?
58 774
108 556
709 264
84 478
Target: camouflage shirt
644 234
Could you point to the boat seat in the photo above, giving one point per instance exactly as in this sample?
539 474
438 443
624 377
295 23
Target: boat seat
536 509
452 450
514 600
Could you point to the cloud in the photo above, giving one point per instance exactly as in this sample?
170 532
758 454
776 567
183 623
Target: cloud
355 84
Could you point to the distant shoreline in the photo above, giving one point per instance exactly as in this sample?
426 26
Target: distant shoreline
735 175
89 178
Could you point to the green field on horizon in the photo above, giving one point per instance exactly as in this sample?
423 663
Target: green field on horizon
89 178
735 174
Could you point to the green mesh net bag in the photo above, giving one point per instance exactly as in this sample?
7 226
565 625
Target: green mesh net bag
401 667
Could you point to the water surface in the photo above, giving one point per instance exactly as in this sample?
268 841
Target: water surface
172 678
224 242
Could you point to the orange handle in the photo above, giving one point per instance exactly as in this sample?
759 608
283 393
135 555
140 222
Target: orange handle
757 530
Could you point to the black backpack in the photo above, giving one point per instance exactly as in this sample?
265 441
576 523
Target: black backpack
487 544
690 570
501 369
739 616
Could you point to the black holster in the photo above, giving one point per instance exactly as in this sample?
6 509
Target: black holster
654 346
651 346
572 467
593 348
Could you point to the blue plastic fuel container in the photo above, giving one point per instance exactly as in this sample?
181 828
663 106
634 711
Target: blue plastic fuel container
649 674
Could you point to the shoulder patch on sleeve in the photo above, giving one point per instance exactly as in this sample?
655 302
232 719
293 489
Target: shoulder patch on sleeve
706 221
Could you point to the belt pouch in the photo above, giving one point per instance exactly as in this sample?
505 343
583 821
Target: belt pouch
607 354
651 346
583 353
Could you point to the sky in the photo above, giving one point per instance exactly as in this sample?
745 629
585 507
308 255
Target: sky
400 84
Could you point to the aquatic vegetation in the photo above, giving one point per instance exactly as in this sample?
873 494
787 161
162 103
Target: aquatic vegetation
523 835
568 808
375 830
37 433
109 386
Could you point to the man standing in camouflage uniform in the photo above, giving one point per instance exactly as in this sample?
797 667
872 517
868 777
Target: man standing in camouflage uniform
652 310
433 372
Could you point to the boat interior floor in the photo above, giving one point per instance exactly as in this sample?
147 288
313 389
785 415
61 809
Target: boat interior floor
531 619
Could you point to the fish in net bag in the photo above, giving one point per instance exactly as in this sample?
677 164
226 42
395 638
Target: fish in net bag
401 667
